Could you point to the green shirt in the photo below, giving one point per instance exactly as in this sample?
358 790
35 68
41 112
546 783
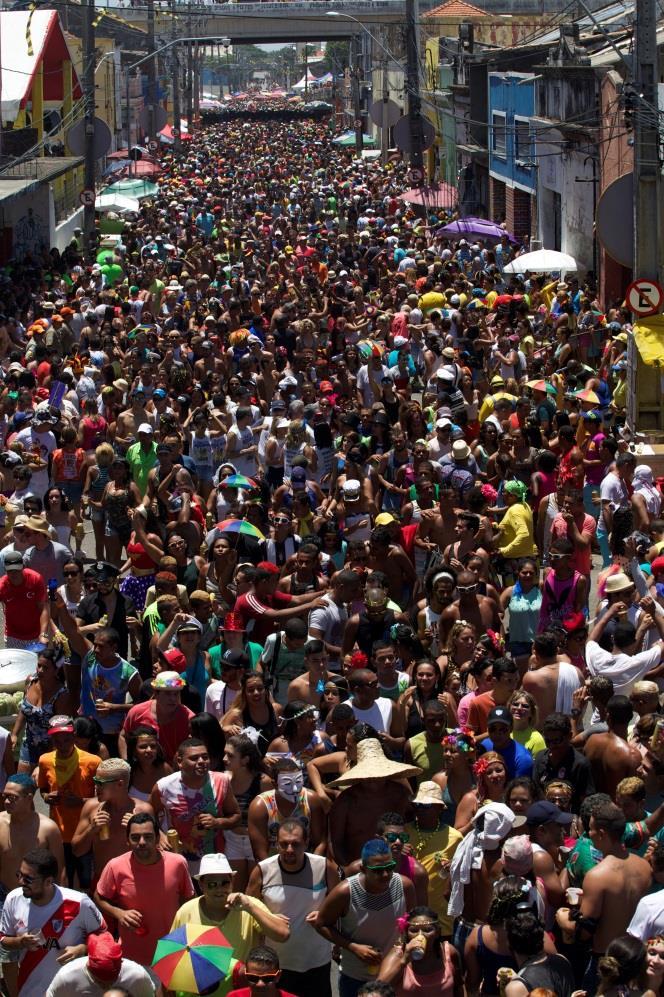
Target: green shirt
141 462
253 651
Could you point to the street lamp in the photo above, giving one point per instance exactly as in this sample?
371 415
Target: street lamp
226 44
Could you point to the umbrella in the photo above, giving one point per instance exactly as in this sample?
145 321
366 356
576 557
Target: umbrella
586 395
238 481
542 386
542 261
133 188
348 139
440 195
480 228
193 958
368 348
116 202
240 526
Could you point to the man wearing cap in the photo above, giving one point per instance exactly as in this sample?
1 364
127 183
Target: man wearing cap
518 760
107 606
101 825
66 781
23 595
220 695
143 888
47 557
38 440
164 713
142 456
100 972
259 607
131 419
243 919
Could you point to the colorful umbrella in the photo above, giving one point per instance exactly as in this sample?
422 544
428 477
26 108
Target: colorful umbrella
587 396
238 481
542 386
240 526
368 348
193 958
133 188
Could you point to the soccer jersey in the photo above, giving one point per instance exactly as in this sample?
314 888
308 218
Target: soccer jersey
67 920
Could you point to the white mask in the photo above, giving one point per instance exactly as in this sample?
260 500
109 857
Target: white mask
290 784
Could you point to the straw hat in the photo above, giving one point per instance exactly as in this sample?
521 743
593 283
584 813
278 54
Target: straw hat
373 764
429 794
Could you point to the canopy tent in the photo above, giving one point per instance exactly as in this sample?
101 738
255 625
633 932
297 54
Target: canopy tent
19 65
441 195
309 80
348 139
327 78
542 261
166 134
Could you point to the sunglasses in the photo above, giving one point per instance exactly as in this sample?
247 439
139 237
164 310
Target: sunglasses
392 836
70 574
380 868
213 884
104 782
466 588
253 978
21 876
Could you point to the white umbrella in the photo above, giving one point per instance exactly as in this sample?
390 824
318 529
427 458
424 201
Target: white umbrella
116 202
542 261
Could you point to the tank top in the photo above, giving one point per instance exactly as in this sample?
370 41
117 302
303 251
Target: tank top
296 895
109 684
427 755
37 719
437 984
490 962
370 920
183 805
99 483
301 813
140 559
557 599
200 451
369 631
524 610
245 798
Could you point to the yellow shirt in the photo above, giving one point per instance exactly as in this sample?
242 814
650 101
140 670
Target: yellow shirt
431 300
239 927
516 532
430 848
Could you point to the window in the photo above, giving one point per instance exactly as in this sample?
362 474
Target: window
522 147
498 136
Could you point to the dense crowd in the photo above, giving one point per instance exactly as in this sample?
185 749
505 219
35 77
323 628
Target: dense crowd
344 587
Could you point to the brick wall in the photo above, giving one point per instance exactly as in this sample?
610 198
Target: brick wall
517 211
496 199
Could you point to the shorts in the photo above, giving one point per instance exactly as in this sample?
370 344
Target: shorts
81 865
237 847
72 489
97 515
123 532
6 955
520 648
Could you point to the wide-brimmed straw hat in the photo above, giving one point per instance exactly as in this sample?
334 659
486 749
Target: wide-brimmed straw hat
372 763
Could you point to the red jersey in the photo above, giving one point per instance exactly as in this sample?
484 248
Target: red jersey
170 735
23 605
252 611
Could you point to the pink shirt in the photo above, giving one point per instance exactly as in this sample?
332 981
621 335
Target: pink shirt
582 556
157 891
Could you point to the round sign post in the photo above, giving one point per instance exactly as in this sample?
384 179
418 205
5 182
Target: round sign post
87 198
644 297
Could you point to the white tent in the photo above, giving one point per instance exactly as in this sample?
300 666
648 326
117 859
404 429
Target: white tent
48 48
310 79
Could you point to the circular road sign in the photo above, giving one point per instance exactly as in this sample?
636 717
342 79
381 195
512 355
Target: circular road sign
87 198
644 297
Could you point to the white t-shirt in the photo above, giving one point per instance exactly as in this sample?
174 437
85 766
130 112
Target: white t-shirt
648 918
379 715
67 920
241 440
613 490
74 979
623 669
46 442
331 620
219 699
364 386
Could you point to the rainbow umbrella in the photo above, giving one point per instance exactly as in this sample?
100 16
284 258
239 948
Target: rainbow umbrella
238 481
193 958
586 395
542 386
240 526
368 348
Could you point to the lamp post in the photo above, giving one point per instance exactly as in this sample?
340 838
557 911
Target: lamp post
226 44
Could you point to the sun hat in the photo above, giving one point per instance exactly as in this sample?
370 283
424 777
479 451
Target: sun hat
429 794
214 864
372 763
618 583
168 680
37 525
460 450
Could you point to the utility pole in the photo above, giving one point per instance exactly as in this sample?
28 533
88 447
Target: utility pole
306 71
197 79
357 110
175 76
152 73
414 100
90 107
385 128
190 75
647 177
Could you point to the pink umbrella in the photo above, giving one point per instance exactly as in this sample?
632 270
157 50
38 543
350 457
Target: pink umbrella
442 195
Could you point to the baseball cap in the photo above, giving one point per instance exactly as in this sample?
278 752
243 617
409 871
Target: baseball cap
384 519
352 487
544 812
500 715
61 725
13 560
159 393
175 659
145 427
298 476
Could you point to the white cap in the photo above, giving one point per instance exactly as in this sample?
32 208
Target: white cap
352 487
145 427
443 423
214 864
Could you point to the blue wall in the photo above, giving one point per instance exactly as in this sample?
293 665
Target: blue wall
513 95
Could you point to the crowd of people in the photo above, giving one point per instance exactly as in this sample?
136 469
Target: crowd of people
345 587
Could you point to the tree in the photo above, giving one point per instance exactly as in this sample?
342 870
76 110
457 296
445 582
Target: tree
337 57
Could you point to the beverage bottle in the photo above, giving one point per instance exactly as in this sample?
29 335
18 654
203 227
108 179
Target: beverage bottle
418 950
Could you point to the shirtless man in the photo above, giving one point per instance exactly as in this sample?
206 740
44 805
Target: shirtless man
478 610
361 806
103 819
545 829
308 685
21 830
611 757
437 526
126 427
611 890
466 530
551 682
393 561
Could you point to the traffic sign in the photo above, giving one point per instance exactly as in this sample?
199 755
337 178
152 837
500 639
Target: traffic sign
415 176
153 146
644 297
87 198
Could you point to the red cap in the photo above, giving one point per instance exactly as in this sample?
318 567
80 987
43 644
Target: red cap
326 386
657 565
268 566
104 956
576 621
176 659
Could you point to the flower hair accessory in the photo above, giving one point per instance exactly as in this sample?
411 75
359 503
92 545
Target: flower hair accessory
480 767
497 640
359 659
460 738
402 922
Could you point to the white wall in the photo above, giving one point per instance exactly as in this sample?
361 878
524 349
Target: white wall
61 235
558 172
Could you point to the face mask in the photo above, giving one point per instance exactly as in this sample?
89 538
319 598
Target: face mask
290 784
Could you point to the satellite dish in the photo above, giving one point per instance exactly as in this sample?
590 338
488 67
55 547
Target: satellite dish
384 113
614 220
402 133
75 138
159 114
